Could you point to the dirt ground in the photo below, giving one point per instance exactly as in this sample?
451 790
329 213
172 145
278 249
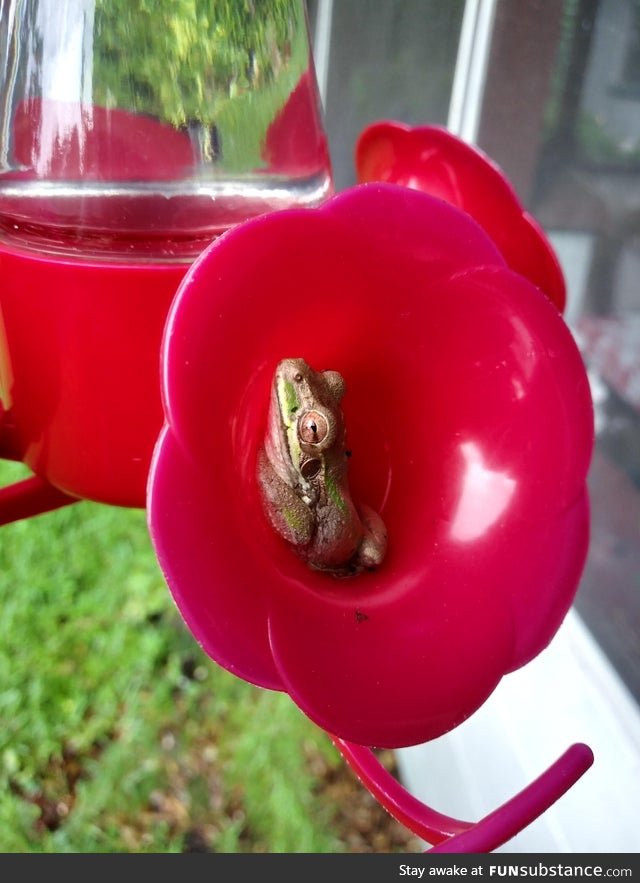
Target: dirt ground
359 822
362 824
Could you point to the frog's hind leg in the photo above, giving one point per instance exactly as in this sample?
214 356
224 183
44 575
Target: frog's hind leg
290 517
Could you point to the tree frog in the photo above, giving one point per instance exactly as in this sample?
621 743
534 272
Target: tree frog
302 474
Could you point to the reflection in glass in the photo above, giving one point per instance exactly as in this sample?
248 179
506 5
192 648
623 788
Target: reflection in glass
147 129
587 194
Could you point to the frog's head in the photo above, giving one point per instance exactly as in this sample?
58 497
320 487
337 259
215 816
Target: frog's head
307 404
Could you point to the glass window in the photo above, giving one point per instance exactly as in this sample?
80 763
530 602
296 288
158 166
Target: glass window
557 105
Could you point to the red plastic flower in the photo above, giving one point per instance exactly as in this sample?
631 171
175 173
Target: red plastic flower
431 159
469 416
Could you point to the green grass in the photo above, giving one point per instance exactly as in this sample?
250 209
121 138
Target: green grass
117 733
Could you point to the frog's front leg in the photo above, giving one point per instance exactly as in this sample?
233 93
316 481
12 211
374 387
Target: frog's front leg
373 545
289 515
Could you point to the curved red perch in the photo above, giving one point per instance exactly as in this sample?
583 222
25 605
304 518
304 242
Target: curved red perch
454 835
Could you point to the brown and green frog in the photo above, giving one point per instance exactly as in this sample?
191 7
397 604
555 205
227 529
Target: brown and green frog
302 474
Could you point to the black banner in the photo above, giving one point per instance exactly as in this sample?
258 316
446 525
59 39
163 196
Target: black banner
354 868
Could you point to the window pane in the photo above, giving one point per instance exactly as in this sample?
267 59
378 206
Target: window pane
391 60
587 193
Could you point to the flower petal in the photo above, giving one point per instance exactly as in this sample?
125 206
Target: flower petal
431 159
218 601
469 416
315 282
398 668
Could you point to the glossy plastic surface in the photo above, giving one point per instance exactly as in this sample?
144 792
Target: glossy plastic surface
29 497
80 375
470 420
431 159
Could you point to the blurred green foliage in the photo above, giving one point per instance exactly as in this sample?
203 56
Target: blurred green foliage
191 57
118 734
223 69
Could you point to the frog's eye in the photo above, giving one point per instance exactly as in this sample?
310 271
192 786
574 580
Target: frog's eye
312 428
297 377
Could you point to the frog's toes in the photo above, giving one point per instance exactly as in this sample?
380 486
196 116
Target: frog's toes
374 542
370 554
